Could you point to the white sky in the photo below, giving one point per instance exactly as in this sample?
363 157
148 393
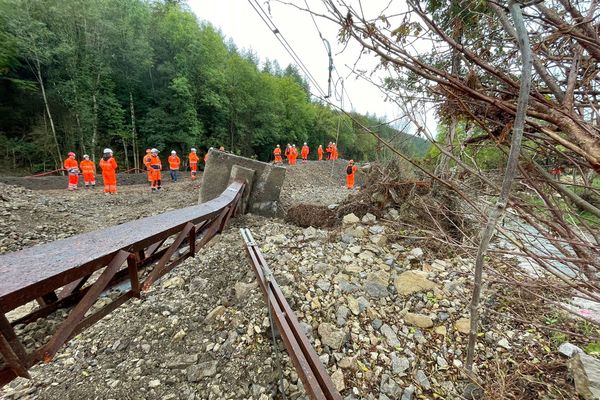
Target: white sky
239 21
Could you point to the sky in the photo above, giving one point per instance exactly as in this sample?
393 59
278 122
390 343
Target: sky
238 20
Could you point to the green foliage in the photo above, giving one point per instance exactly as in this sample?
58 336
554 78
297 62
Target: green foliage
186 84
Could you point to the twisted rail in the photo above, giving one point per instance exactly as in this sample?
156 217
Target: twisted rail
55 274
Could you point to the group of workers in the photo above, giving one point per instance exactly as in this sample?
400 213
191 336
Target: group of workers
87 168
153 166
108 165
291 153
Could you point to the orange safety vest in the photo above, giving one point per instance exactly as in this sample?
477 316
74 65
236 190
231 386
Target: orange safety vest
174 162
193 157
87 167
70 164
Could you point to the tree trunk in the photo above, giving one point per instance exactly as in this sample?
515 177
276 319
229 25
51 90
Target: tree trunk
95 119
126 154
509 175
133 133
41 82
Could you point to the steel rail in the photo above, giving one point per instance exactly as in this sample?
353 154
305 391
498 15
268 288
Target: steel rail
55 274
316 381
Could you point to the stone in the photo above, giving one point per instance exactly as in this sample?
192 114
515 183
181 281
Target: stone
243 289
390 387
442 316
415 254
440 330
182 361
309 233
439 265
441 362
376 324
353 305
363 304
369 218
504 343
331 336
323 285
568 349
586 374
350 219
215 313
422 380
175 282
341 314
399 365
379 240
346 362
408 393
410 282
195 373
154 383
390 335
393 214
420 320
463 325
338 380
376 230
376 284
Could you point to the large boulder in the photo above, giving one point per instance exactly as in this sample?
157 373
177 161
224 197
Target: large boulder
410 282
586 374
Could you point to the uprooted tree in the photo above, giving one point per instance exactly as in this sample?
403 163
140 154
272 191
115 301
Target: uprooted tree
463 58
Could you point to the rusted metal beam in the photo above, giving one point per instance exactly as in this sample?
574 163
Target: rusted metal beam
317 382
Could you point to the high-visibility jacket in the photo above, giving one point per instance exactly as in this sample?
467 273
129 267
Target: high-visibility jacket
193 158
71 166
174 162
87 167
305 151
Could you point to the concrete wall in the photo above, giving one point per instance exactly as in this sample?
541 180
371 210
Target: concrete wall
264 194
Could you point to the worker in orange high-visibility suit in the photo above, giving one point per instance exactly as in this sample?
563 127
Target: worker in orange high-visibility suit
288 153
147 163
304 152
334 151
174 163
155 166
277 154
193 160
329 150
108 165
294 154
88 170
72 168
320 152
350 171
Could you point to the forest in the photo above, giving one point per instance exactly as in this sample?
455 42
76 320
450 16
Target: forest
80 76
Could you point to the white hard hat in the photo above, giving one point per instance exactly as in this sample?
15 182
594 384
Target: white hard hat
305 143
86 156
154 151
193 149
107 150
211 148
173 152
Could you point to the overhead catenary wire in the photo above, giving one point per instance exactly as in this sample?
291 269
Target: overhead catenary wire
290 50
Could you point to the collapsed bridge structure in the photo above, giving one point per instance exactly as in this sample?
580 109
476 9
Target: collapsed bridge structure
73 273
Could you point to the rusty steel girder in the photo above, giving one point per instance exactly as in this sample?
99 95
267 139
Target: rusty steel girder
310 369
55 274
